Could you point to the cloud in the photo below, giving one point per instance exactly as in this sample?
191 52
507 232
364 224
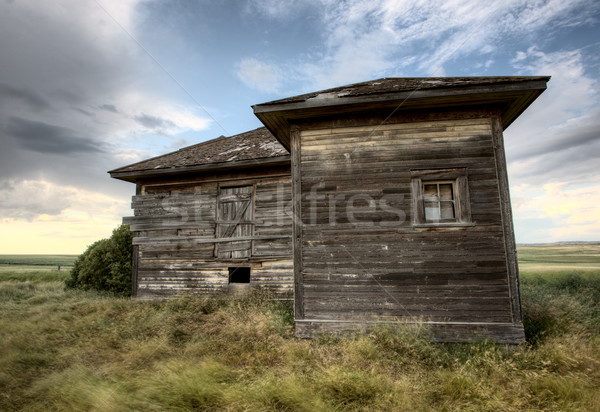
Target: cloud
553 152
38 199
28 97
109 108
560 134
154 122
46 138
564 212
78 96
52 218
76 93
26 200
260 76
367 39
278 8
577 134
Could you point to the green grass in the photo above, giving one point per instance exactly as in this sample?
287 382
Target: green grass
38 260
559 258
70 350
35 263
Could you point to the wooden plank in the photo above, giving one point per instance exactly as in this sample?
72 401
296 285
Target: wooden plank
167 277
458 123
507 221
501 332
245 177
134 270
195 240
417 201
296 158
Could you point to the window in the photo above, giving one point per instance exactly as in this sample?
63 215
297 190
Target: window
438 201
239 275
440 197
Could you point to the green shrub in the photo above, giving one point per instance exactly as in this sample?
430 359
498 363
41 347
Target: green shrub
105 265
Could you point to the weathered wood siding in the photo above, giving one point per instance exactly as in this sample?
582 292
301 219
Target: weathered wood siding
374 263
184 245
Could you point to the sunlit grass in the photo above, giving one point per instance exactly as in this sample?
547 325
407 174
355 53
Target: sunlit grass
24 264
551 258
80 350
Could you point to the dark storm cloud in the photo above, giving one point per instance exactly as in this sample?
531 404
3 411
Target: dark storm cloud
570 164
46 138
85 112
570 154
109 108
153 122
64 66
572 137
28 97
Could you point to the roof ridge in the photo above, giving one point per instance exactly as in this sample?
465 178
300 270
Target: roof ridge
363 88
216 139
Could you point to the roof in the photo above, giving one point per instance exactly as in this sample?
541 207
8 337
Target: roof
399 84
512 94
256 147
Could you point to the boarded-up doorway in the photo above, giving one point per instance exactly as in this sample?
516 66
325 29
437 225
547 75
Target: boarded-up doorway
234 220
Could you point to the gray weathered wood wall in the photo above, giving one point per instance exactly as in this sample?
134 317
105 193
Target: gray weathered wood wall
380 265
183 244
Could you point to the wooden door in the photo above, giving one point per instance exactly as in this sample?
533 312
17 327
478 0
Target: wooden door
234 220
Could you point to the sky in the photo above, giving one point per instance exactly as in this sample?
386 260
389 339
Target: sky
87 86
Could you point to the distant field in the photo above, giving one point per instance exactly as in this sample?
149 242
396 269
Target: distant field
532 259
559 258
37 263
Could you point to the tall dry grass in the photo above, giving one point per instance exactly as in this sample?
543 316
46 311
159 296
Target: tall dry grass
77 350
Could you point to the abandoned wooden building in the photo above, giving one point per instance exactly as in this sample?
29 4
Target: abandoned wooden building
400 208
207 219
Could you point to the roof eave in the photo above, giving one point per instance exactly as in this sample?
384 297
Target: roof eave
513 98
137 175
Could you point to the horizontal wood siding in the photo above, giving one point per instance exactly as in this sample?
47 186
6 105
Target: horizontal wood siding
175 236
373 261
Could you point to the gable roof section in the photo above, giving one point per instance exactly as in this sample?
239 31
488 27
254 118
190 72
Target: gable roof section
254 148
512 94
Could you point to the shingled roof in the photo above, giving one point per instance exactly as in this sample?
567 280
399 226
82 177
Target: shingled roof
254 147
403 84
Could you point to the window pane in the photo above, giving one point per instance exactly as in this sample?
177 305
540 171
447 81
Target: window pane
432 211
430 193
446 191
447 210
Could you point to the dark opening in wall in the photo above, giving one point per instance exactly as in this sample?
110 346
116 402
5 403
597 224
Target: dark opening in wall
239 275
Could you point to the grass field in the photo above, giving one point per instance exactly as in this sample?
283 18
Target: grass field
559 258
35 263
77 350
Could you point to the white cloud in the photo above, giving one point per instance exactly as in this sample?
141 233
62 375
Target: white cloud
564 212
33 200
557 135
140 113
43 217
365 39
260 76
281 9
554 151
